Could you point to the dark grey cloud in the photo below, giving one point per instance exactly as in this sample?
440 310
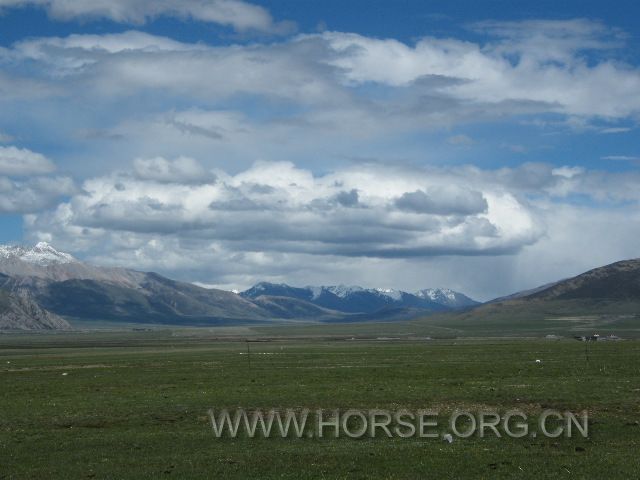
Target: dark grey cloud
347 199
443 201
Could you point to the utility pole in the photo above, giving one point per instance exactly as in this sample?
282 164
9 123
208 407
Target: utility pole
586 348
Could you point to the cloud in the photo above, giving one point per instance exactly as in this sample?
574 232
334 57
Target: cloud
180 170
557 79
240 15
276 207
319 101
615 130
370 210
347 199
33 195
327 70
443 201
279 222
557 40
407 227
20 162
624 158
324 96
25 185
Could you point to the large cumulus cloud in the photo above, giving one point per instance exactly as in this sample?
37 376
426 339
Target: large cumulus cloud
278 207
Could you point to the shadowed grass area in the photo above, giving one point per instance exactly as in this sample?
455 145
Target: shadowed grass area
135 406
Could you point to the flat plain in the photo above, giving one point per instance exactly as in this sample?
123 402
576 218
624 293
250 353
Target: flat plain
134 405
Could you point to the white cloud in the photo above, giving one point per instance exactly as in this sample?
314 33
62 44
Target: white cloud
276 207
24 184
240 15
557 40
559 78
21 161
615 130
311 96
623 158
326 70
34 194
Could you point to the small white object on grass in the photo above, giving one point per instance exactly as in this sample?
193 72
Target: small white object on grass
65 374
538 361
447 438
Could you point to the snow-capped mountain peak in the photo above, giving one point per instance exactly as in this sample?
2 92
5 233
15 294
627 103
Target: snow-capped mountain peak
446 296
41 254
343 291
437 293
354 299
390 292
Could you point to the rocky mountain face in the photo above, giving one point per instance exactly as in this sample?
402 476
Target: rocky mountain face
18 311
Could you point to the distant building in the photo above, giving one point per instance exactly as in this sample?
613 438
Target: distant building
597 338
609 338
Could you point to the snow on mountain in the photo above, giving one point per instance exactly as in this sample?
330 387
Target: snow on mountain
442 294
341 291
45 262
354 299
393 294
42 254
447 297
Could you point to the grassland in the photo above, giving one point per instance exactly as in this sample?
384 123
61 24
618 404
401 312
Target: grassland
134 405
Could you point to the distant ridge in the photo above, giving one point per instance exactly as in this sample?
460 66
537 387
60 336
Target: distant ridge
355 299
605 298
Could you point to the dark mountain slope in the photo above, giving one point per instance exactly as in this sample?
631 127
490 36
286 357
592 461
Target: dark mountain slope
604 299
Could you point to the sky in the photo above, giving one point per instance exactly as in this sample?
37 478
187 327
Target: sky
484 146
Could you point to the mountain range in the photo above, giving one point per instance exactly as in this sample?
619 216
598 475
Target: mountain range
363 300
42 288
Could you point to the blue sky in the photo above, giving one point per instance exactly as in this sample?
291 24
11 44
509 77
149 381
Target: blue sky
405 20
395 144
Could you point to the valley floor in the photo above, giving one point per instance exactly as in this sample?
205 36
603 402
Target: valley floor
134 405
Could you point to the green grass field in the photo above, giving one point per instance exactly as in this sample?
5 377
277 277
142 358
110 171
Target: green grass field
135 406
